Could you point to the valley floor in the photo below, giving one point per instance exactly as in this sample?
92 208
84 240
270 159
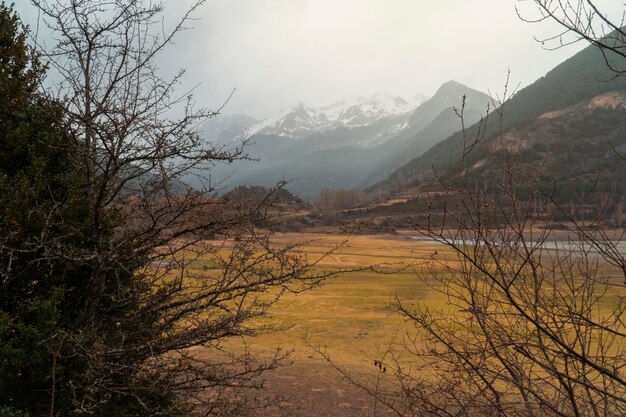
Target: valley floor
350 318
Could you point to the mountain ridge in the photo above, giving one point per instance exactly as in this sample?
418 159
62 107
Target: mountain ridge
580 77
315 165
302 121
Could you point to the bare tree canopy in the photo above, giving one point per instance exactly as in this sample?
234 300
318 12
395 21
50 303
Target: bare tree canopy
141 277
525 313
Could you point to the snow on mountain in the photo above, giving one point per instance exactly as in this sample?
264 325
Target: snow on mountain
377 116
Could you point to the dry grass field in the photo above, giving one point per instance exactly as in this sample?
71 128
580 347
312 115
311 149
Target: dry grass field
349 317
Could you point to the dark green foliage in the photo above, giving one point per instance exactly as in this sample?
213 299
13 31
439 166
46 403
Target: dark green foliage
10 412
53 331
99 301
255 194
37 184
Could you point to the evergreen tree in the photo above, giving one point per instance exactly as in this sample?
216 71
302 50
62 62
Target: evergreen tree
38 203
102 308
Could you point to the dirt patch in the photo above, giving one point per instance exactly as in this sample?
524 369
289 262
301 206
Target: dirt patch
315 389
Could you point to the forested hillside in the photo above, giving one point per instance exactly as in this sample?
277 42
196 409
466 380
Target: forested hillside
579 78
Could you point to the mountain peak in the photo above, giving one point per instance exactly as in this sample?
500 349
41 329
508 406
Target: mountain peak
379 95
419 99
226 128
450 94
451 86
452 83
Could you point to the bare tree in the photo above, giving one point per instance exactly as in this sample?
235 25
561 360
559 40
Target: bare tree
532 322
526 311
534 319
174 271
582 20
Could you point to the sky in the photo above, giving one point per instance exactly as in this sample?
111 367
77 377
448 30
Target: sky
276 53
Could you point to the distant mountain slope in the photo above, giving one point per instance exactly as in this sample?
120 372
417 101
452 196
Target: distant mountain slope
389 160
579 78
316 162
431 123
571 154
573 144
449 95
310 173
364 122
259 151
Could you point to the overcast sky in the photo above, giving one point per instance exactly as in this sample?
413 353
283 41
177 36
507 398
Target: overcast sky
280 52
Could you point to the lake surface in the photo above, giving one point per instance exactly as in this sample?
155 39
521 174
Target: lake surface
555 244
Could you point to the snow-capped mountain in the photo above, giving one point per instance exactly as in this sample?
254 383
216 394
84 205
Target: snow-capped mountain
376 118
348 144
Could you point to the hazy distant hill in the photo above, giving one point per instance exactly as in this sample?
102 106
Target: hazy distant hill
274 146
431 123
575 145
449 95
580 78
312 172
342 157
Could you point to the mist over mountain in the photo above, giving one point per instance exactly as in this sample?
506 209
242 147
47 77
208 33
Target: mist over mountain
433 121
386 144
348 144
361 123
580 141
376 118
224 129
343 156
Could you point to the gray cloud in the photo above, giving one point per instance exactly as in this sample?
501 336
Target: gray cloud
278 52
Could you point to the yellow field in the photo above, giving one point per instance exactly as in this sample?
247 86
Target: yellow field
349 317
349 314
